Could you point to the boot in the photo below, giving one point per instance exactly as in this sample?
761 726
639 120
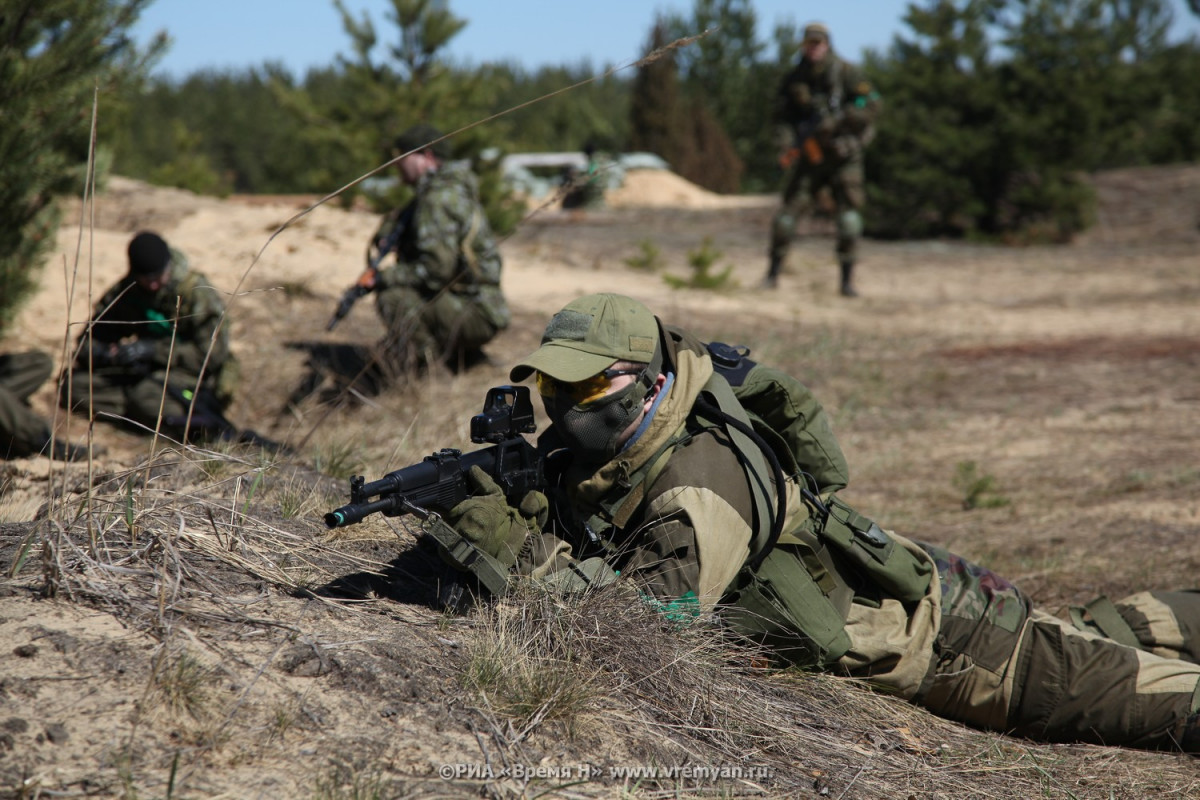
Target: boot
63 450
772 279
847 266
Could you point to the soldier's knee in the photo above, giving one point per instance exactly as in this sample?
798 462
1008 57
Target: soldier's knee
849 225
783 227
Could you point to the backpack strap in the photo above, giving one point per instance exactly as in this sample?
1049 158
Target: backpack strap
757 459
618 512
1106 620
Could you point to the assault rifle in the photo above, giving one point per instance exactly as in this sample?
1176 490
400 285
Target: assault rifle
361 287
366 282
804 138
439 482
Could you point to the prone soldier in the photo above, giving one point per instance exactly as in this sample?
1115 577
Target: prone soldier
653 477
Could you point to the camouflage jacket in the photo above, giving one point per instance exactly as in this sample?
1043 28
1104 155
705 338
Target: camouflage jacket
444 239
830 98
674 513
128 312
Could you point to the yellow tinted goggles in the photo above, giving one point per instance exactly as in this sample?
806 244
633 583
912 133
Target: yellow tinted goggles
584 391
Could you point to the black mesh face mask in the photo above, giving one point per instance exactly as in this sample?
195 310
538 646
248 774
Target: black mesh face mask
592 430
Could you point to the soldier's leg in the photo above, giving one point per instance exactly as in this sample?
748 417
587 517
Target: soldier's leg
793 204
22 432
1076 686
183 412
849 196
409 341
22 373
103 391
1003 666
462 327
147 398
1164 623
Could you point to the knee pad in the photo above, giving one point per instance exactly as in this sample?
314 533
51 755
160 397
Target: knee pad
783 227
849 225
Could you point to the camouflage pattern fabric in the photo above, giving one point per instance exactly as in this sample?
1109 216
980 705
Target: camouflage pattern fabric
126 313
1000 664
834 95
443 293
22 432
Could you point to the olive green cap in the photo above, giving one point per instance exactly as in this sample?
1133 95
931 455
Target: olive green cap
816 32
588 335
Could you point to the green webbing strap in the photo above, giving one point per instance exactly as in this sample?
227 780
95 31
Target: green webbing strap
579 576
464 555
1107 619
755 463
618 512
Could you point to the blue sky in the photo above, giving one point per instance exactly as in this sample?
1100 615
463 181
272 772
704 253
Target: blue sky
234 34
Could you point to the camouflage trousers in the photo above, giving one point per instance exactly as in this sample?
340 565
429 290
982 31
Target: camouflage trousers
446 327
22 432
1002 665
804 183
134 396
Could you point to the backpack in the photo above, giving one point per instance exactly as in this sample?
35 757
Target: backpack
794 593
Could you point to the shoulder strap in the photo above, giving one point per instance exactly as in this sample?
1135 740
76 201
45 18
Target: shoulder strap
758 460
618 512
468 245
1107 619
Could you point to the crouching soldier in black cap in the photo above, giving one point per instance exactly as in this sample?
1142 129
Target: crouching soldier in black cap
142 352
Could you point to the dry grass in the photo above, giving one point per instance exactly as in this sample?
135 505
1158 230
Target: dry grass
187 627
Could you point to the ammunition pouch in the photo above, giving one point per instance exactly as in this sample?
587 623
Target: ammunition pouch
797 600
898 572
790 604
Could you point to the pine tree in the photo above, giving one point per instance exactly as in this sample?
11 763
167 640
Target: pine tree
933 165
654 105
720 74
54 54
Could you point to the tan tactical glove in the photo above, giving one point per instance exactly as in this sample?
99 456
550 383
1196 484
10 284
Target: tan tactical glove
487 520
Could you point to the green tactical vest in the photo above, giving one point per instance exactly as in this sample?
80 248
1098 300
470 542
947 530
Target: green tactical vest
795 595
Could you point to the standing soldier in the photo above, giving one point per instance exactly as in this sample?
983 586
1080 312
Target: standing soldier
441 298
142 352
824 116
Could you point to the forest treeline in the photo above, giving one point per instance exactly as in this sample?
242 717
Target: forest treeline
994 110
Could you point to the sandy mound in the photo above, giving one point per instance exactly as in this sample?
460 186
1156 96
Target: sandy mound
659 188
